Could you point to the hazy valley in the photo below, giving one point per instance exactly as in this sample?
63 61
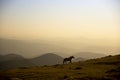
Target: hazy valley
59 40
30 49
30 60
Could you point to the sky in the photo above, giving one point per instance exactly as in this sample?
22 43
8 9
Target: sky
60 19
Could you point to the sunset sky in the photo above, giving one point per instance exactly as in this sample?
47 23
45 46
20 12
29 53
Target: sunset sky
52 19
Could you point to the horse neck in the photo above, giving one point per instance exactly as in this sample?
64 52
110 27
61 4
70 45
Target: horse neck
71 57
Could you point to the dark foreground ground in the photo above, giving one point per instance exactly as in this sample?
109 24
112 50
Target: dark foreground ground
106 68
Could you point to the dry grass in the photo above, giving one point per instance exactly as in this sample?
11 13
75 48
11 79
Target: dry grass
88 70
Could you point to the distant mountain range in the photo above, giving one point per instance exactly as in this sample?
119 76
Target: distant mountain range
47 59
14 50
14 61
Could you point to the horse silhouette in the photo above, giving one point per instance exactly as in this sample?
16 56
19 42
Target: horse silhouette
69 59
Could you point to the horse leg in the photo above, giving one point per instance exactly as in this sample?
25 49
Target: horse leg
70 61
63 61
66 62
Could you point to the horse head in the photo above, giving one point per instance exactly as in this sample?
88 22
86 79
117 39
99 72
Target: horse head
72 57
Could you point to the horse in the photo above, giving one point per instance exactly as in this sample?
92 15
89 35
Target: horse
68 59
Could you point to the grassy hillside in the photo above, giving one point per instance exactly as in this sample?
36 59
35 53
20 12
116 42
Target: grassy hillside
106 68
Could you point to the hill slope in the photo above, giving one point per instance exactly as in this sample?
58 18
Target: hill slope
106 68
47 59
10 57
14 61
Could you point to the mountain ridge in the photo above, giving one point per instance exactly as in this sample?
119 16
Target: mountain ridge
14 60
